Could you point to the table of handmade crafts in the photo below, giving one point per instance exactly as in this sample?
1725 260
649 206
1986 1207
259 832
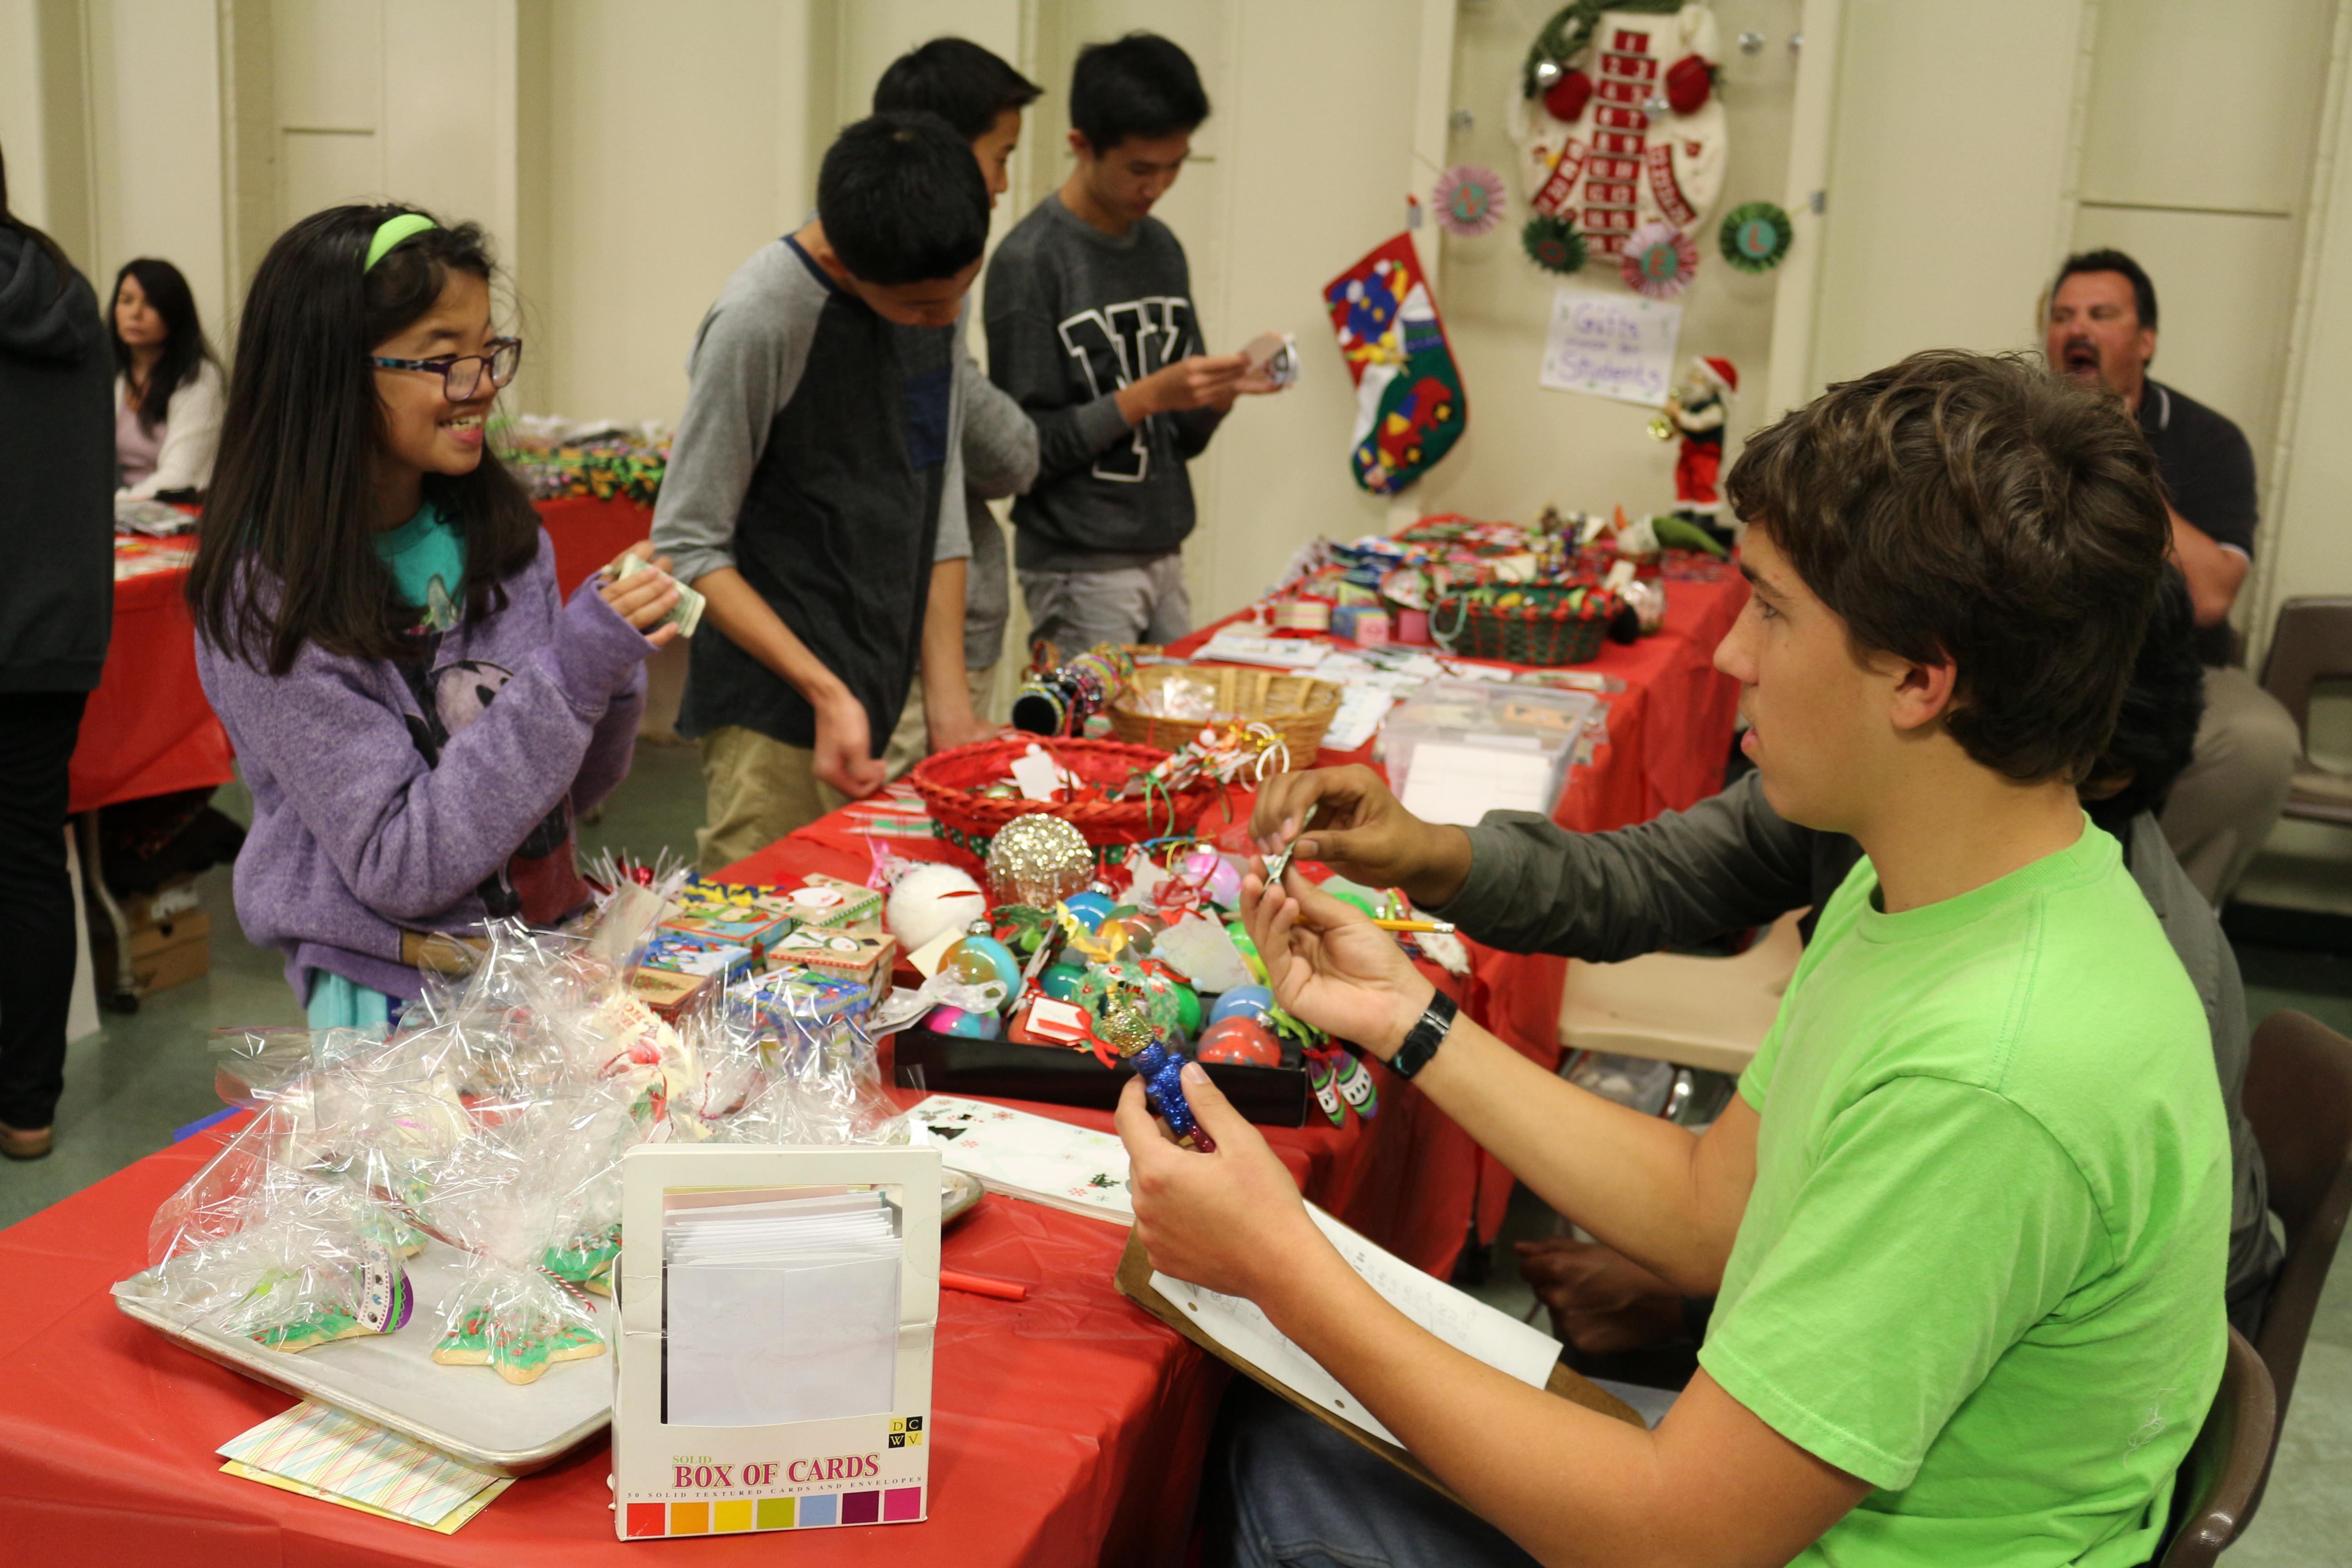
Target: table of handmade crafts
1069 1427
1410 1179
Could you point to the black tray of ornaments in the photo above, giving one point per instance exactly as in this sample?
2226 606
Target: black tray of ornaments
1055 1075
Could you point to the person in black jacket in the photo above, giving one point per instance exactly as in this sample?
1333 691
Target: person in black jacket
57 610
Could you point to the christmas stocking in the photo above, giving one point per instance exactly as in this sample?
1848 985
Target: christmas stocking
1409 404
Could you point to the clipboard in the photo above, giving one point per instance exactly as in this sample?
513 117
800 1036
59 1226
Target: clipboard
1134 1282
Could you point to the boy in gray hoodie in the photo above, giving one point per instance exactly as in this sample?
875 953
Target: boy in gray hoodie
1091 328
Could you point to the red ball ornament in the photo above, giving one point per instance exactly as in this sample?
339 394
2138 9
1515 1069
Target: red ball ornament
1565 99
1689 81
1244 1042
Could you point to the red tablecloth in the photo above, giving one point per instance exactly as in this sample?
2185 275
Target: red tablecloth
1069 1427
588 534
148 729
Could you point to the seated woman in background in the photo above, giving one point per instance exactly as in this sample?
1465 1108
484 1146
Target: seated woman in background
167 384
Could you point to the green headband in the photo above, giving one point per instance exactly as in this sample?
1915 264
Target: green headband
392 231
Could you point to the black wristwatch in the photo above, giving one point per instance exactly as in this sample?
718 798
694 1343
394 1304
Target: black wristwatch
1428 1033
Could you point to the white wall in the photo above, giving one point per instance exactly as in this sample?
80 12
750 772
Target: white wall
2211 204
22 133
677 145
156 121
1946 208
2307 543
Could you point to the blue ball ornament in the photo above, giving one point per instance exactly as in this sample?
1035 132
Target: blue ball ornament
1092 909
1243 1001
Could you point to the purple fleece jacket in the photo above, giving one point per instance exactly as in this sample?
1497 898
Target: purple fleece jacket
357 835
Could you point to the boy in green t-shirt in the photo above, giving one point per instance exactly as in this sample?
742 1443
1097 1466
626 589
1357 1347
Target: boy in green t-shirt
1966 1219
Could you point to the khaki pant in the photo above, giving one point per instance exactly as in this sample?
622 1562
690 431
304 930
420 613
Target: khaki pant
2226 799
759 789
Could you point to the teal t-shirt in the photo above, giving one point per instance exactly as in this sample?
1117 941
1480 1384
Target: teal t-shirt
427 555
1981 1266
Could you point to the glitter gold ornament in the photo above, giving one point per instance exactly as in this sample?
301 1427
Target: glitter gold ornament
1038 860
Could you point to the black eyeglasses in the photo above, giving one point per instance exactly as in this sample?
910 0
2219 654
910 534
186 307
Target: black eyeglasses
461 377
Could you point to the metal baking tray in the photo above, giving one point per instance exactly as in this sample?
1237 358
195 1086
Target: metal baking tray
469 1413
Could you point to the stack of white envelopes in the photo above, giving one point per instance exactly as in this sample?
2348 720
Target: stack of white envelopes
781 1310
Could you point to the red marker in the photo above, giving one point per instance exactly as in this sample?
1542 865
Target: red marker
981 1285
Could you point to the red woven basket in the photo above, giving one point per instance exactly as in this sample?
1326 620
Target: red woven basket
950 783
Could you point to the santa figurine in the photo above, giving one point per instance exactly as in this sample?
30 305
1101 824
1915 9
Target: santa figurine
1696 408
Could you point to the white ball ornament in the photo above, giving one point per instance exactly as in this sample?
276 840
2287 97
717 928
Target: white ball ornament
933 898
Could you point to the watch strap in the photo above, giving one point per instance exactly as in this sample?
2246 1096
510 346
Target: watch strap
1427 1034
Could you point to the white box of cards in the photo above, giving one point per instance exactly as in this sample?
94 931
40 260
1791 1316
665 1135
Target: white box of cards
773 1369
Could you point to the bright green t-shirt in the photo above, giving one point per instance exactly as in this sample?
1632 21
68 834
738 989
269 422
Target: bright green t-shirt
1981 1266
428 558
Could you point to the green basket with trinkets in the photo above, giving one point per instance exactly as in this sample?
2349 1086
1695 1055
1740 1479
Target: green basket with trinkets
1529 623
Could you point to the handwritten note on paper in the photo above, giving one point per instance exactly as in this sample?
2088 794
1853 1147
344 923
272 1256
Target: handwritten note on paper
1611 345
1466 1323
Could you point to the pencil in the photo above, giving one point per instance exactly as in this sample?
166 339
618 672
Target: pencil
1440 928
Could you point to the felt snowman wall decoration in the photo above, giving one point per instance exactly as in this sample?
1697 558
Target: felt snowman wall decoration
1618 125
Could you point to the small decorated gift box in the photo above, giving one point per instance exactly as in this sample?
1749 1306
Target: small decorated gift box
790 996
735 925
730 1414
861 955
667 991
830 903
701 896
689 953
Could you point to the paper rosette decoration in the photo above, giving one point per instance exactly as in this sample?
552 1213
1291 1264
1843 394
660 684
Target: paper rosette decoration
1469 200
1660 261
1553 244
1756 237
1409 404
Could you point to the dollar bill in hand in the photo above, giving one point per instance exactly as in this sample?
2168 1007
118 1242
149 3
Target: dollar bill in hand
686 614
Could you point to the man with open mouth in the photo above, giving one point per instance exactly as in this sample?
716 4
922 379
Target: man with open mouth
2101 332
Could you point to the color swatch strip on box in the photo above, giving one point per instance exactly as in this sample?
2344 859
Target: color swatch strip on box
890 1505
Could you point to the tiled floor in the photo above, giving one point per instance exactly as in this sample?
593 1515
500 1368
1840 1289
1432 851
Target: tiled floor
147 1074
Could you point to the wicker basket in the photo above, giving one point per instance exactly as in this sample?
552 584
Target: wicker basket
951 781
1541 626
1300 707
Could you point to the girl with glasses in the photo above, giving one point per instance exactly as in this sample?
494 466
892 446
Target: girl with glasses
418 711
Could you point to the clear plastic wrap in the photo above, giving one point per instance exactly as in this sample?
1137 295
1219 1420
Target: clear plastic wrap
499 1196
819 1076
493 1123
262 1248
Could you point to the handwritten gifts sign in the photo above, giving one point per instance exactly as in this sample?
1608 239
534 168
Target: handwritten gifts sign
1611 345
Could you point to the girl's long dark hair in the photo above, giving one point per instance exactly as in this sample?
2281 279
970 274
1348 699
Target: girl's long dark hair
185 347
286 548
